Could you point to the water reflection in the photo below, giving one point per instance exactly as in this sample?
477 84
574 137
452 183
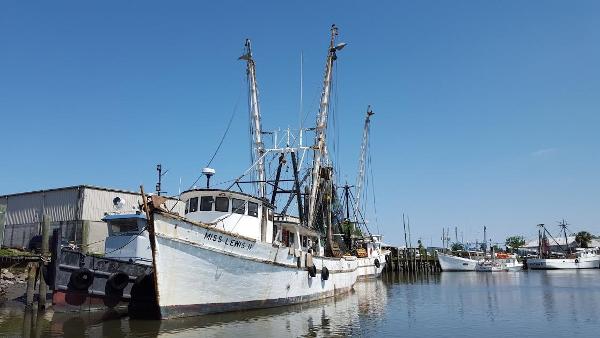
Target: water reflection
337 316
536 303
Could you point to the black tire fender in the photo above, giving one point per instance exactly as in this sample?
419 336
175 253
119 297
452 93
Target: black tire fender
377 264
324 273
118 280
576 261
312 270
81 279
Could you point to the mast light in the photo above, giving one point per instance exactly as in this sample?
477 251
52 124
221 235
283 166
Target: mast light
340 46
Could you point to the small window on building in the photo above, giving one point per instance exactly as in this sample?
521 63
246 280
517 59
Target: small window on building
222 204
252 209
238 206
206 203
193 204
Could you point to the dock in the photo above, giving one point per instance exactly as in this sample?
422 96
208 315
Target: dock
412 260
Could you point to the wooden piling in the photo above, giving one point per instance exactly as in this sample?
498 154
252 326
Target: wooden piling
31 272
45 245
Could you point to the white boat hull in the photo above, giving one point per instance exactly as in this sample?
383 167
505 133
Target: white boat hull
563 263
201 270
454 263
367 266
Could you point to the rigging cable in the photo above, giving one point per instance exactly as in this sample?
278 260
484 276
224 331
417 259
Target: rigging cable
373 189
233 113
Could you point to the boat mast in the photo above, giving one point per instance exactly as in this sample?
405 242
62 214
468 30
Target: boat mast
362 159
563 227
320 147
255 125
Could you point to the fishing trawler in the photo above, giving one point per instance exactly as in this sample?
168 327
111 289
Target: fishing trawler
580 258
229 253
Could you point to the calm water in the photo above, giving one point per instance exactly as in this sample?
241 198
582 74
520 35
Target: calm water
530 304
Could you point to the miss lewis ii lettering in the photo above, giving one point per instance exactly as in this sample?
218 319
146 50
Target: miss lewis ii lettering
228 241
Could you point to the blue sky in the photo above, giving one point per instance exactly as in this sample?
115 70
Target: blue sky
487 112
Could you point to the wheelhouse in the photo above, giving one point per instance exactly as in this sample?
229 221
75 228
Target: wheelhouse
127 240
231 211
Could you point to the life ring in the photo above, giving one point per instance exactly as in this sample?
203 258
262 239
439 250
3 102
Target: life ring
324 273
81 279
576 261
118 280
312 270
377 264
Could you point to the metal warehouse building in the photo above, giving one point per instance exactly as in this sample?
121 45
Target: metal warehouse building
77 211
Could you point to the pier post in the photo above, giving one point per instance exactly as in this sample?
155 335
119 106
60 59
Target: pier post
45 239
31 271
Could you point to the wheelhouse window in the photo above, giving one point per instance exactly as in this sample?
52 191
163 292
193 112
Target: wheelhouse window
238 206
222 204
206 203
187 206
252 209
123 226
193 204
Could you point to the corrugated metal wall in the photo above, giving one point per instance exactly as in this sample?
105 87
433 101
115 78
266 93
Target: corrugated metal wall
24 214
2 218
70 209
58 205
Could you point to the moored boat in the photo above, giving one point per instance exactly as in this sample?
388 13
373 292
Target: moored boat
228 254
580 258
456 263
221 261
89 282
500 262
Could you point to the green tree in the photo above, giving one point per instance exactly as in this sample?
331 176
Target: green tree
583 238
457 247
515 242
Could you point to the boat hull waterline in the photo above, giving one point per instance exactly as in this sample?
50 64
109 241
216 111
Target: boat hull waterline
201 270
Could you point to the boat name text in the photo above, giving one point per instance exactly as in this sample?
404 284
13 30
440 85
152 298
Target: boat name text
228 241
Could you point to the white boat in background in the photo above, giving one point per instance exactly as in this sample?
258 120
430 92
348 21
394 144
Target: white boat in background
581 259
500 262
456 263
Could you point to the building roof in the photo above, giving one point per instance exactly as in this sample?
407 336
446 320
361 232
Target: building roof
70 188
